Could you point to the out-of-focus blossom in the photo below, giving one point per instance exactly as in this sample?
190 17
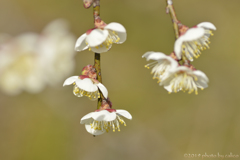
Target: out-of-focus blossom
101 39
185 79
86 86
102 121
161 65
30 61
192 41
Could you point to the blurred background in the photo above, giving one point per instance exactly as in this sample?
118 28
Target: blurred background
45 125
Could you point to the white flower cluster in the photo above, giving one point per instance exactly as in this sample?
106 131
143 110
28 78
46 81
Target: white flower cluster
101 39
175 75
31 61
98 40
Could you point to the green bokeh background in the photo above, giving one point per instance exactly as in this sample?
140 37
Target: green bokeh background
46 126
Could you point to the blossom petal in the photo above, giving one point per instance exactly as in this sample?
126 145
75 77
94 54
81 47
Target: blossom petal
178 47
96 37
115 27
70 80
101 115
110 117
86 117
81 44
122 36
119 29
202 79
168 88
103 89
190 35
124 113
86 84
207 25
154 56
101 49
94 131
193 34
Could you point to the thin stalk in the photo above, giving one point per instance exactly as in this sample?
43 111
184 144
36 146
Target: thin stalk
96 9
175 21
99 76
96 14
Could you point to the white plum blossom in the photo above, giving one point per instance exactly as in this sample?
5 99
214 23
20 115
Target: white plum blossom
102 121
161 65
30 61
193 40
185 79
85 86
101 39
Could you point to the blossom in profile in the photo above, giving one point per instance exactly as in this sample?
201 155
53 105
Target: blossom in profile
184 78
102 121
30 61
86 86
161 65
192 41
101 39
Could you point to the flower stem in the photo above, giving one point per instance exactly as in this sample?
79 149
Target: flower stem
96 9
99 76
170 9
96 15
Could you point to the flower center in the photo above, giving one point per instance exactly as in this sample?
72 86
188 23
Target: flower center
111 38
184 82
80 92
159 68
193 48
101 125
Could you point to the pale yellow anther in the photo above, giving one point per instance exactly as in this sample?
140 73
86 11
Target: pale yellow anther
89 49
96 47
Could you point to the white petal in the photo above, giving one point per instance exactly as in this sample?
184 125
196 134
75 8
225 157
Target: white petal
110 117
173 62
168 88
103 89
201 74
81 44
93 131
96 37
124 113
86 117
122 36
145 55
86 84
154 55
119 29
101 49
202 79
207 25
193 34
70 80
178 47
101 115
115 27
